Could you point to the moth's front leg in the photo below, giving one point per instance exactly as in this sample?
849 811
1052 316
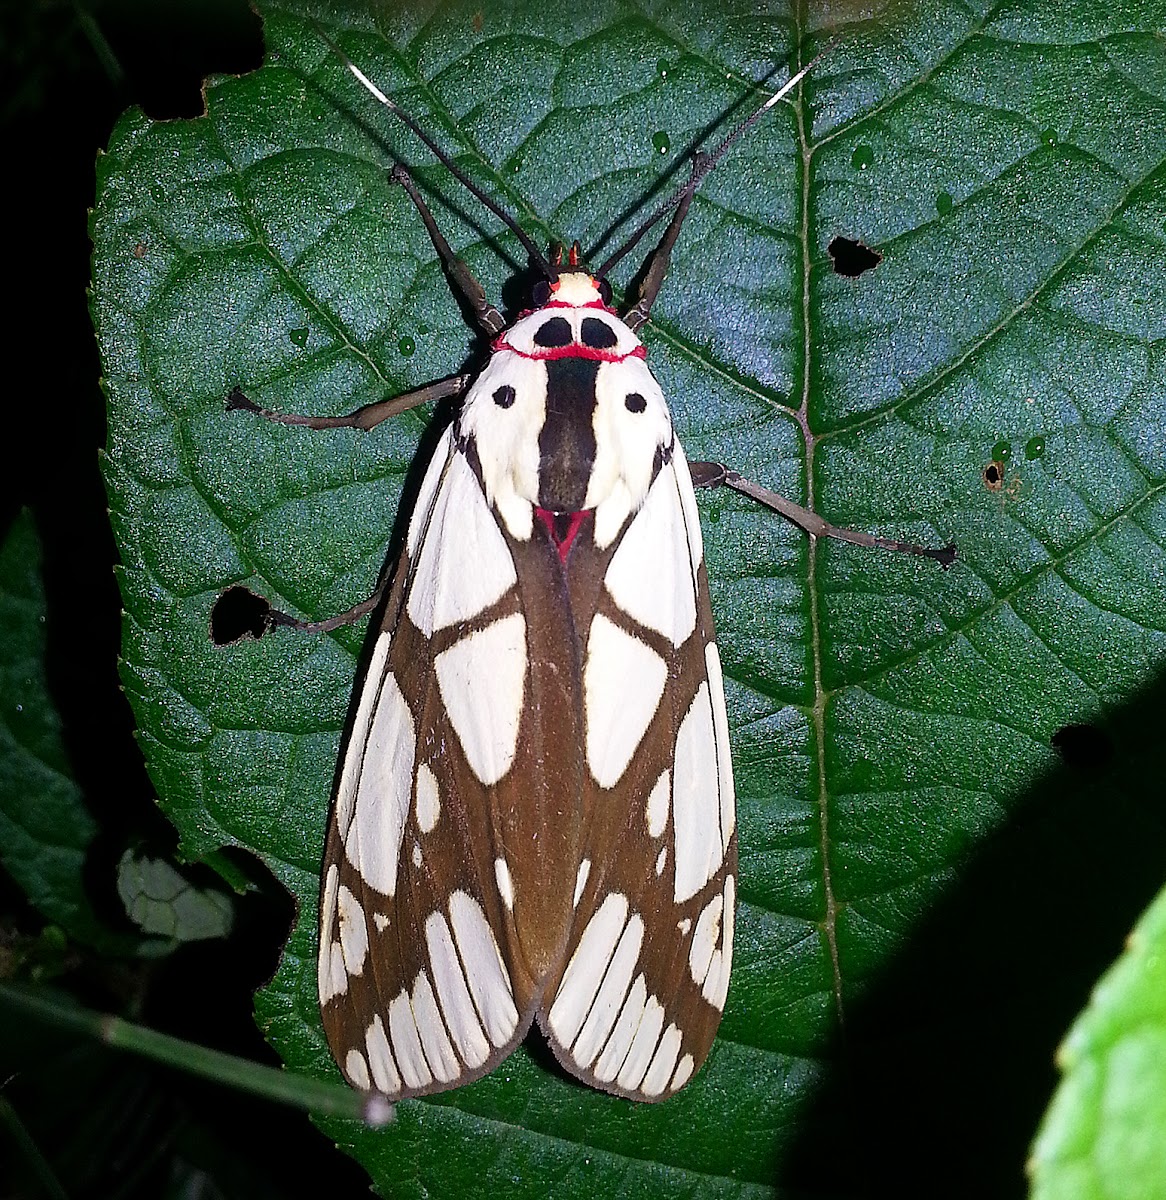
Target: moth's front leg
239 612
369 416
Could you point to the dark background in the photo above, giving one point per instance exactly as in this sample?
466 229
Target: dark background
940 1100
111 1125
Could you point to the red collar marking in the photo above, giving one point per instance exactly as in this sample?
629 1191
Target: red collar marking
574 350
607 308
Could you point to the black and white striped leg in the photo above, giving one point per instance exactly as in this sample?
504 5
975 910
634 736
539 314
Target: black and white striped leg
239 613
366 418
710 474
658 262
462 279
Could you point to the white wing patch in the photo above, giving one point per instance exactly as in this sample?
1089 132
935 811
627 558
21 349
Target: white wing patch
435 1041
622 685
331 977
419 521
581 881
353 931
356 1068
505 883
354 758
663 1062
716 982
482 683
454 994
585 971
456 578
485 970
639 1056
656 810
688 505
380 1058
606 1005
373 841
428 799
696 808
616 1050
705 939
647 579
712 659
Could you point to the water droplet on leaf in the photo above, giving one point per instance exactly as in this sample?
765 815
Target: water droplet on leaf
299 337
406 345
943 203
862 157
1002 451
662 68
661 142
1034 447
1049 137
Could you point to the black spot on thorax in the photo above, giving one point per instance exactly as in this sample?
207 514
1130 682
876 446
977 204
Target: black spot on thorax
552 333
597 334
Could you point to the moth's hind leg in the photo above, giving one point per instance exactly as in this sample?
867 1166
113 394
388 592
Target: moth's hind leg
710 474
240 614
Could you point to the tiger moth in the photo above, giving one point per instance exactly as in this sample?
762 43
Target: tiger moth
533 817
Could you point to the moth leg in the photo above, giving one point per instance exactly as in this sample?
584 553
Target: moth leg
366 418
709 474
239 613
659 259
462 278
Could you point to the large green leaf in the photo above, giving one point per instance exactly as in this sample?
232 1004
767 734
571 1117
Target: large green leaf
46 830
904 817
1103 1136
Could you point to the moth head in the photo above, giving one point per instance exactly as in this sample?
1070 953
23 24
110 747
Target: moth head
572 287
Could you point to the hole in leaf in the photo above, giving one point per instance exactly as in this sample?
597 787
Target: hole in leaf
994 476
852 258
239 613
1083 747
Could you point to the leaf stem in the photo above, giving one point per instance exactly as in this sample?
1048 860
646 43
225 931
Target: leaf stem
313 1095
19 1134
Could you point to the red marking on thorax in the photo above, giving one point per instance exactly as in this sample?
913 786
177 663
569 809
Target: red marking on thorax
573 525
574 350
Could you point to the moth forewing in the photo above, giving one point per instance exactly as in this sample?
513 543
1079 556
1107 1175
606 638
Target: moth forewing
638 1003
414 990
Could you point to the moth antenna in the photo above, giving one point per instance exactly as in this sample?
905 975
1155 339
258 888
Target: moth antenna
445 160
704 162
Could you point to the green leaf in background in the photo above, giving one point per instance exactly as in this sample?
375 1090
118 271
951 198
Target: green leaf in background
1103 1136
46 831
923 882
159 899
